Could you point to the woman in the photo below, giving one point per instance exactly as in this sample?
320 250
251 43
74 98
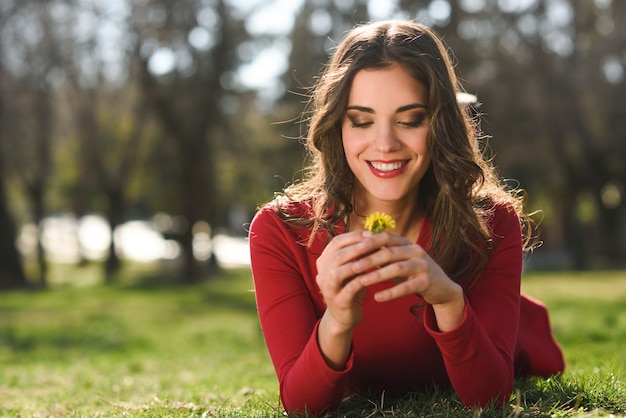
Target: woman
436 300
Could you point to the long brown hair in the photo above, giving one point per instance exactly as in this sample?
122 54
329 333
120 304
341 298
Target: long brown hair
460 186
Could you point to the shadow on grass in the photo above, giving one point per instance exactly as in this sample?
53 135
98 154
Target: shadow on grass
226 300
94 334
103 318
223 289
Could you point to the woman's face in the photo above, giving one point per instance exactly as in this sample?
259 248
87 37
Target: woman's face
384 135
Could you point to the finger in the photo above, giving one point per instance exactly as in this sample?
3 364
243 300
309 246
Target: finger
341 248
405 288
388 255
398 271
333 280
348 238
384 239
350 292
357 246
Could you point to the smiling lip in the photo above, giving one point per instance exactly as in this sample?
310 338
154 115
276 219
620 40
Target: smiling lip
387 169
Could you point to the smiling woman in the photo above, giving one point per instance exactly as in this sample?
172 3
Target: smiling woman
436 300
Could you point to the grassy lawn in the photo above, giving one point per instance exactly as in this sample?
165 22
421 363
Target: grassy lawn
154 349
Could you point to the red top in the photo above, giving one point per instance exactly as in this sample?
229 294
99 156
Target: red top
397 346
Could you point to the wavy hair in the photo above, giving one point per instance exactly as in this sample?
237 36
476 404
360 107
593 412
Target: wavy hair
459 187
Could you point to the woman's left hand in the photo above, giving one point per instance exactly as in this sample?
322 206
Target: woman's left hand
405 263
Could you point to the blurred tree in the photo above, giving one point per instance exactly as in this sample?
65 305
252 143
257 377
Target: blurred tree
270 160
189 52
34 61
28 152
588 131
11 272
110 137
111 121
570 110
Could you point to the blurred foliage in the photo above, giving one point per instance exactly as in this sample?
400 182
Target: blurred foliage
129 108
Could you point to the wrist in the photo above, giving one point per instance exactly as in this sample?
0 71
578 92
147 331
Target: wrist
450 314
335 343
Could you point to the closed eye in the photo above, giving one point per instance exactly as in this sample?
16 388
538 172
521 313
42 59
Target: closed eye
356 123
413 123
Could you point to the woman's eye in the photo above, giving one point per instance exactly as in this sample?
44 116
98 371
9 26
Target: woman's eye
359 123
413 123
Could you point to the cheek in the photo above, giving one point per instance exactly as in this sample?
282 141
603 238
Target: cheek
420 144
351 152
423 148
351 143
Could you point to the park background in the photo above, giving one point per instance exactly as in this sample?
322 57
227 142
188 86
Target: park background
138 137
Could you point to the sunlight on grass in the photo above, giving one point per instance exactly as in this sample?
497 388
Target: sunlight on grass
593 285
587 314
156 349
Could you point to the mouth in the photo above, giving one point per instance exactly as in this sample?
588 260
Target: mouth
387 169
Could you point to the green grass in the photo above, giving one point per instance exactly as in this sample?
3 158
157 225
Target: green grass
155 349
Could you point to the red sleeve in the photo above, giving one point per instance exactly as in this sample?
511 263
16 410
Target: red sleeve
478 354
280 261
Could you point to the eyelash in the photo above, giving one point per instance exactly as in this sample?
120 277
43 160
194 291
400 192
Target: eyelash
412 124
355 124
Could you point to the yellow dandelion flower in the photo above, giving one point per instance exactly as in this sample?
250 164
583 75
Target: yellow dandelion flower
379 222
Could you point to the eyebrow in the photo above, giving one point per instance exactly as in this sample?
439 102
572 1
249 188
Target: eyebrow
398 110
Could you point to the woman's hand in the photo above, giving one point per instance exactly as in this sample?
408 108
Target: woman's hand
391 257
342 293
335 277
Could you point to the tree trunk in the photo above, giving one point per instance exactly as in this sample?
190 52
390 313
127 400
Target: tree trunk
611 224
574 231
38 214
11 272
197 195
114 217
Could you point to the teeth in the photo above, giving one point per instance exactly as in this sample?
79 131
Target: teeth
386 166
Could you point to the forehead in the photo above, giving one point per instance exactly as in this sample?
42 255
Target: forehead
383 87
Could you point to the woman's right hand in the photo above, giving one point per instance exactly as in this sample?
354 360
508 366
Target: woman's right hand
342 294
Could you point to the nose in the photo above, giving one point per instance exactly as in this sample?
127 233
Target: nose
386 139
